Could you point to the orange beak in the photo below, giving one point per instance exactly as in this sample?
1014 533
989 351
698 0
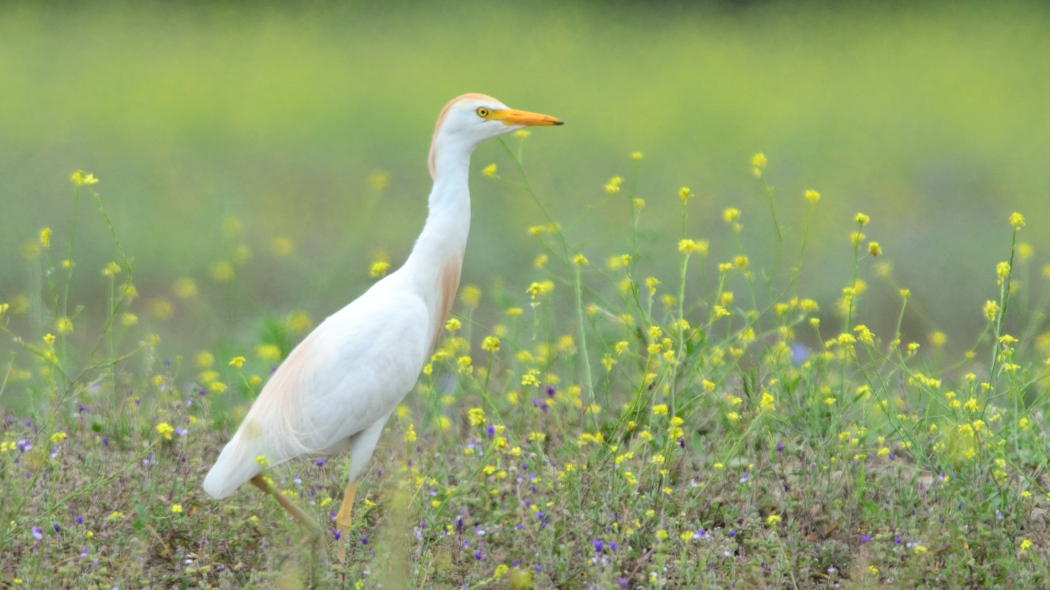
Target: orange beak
511 117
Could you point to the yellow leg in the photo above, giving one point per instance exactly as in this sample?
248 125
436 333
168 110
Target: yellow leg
316 532
342 520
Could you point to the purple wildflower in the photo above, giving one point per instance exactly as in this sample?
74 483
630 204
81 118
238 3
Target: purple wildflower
37 534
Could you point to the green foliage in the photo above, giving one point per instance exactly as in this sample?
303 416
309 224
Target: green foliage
611 424
928 116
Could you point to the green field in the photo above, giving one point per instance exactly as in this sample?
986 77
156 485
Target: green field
932 119
709 418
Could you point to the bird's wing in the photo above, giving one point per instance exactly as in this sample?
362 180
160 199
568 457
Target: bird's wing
351 370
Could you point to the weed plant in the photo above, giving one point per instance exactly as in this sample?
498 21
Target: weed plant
603 429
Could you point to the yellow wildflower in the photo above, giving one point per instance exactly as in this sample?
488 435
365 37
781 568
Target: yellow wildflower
1016 220
164 429
378 269
268 352
470 295
758 163
991 310
1002 270
63 325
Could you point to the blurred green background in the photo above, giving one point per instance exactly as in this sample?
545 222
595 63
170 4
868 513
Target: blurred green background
931 118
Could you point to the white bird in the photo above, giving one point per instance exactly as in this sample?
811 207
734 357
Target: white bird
337 388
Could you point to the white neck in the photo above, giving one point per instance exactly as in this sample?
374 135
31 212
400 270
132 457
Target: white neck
444 235
434 265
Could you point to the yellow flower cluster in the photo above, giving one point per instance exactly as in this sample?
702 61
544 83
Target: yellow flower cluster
79 178
164 429
540 288
689 246
758 163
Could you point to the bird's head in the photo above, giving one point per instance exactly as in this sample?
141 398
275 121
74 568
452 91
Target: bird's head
470 119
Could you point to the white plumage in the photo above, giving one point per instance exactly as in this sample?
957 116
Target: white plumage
343 378
338 386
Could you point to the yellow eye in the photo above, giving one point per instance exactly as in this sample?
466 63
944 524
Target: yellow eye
482 112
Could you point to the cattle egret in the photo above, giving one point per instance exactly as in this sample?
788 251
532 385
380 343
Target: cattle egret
337 388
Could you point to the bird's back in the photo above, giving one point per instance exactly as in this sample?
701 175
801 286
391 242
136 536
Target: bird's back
349 372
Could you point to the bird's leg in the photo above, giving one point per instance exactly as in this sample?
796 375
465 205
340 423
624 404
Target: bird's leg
342 520
316 532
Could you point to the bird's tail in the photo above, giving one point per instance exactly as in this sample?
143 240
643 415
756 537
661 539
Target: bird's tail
235 465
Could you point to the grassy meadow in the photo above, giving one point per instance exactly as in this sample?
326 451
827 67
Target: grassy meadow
769 311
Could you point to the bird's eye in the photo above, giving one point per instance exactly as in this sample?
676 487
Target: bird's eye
482 112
